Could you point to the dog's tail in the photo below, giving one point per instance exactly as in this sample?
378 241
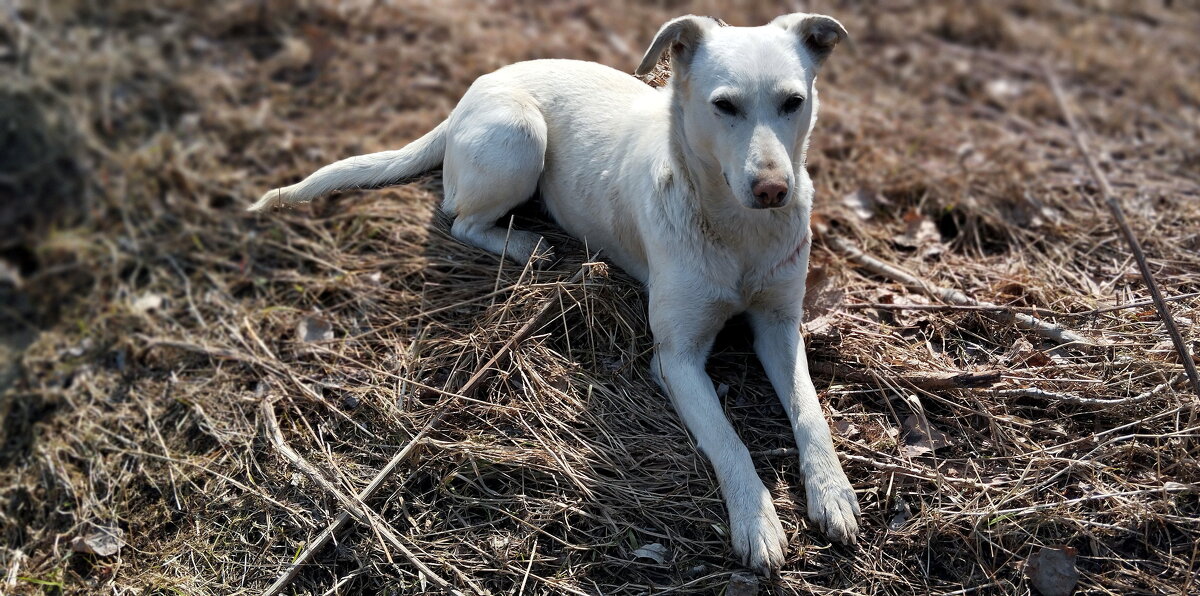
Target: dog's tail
372 170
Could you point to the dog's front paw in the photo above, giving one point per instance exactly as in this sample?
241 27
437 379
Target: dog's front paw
758 539
833 506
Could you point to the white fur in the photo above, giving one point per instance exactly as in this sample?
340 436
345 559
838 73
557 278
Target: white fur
663 182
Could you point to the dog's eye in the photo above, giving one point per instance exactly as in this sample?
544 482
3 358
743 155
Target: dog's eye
792 104
725 107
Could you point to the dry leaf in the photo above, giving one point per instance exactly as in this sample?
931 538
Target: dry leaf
147 302
902 514
1022 353
822 299
921 438
908 318
1052 570
862 202
920 233
294 53
654 551
100 541
314 328
11 274
845 428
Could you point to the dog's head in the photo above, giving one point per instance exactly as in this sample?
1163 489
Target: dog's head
744 97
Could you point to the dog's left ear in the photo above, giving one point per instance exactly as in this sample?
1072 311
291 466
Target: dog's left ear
817 32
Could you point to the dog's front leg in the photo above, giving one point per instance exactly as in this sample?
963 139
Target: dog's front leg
683 335
832 503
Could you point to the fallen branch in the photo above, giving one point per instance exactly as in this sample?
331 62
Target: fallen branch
1041 312
935 382
1035 393
1110 200
468 389
1165 489
1043 328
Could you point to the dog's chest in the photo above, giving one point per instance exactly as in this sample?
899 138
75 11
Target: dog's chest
772 272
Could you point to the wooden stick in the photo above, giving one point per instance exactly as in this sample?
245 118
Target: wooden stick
1045 329
1110 200
1035 393
936 382
468 389
354 507
1041 312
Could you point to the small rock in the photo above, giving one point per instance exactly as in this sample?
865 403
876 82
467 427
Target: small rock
1052 570
100 541
742 584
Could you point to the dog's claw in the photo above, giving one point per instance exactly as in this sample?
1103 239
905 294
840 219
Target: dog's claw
833 506
759 541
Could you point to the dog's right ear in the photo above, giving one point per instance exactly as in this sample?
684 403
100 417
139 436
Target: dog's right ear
817 32
682 35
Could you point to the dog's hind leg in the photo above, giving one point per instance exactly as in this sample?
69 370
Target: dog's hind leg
495 153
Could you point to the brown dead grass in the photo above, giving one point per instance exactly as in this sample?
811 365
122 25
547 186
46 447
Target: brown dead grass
165 315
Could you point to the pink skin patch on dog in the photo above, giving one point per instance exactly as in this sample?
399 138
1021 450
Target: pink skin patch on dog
788 261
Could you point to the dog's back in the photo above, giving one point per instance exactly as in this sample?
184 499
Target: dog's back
606 133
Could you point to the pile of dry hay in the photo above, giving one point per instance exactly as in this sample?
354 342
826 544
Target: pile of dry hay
172 327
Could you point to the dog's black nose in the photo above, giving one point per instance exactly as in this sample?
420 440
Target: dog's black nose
769 193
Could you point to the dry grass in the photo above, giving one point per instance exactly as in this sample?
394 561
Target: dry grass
164 316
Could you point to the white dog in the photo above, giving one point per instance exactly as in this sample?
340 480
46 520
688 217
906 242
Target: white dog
698 189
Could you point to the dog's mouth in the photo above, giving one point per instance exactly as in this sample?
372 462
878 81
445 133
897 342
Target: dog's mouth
757 206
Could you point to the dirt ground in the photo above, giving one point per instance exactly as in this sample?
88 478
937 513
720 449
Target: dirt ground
162 351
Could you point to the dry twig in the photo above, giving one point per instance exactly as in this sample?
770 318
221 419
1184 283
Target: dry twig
468 389
1114 206
355 507
879 267
931 382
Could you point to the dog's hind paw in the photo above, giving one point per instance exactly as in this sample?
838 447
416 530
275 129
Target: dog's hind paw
759 541
833 506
